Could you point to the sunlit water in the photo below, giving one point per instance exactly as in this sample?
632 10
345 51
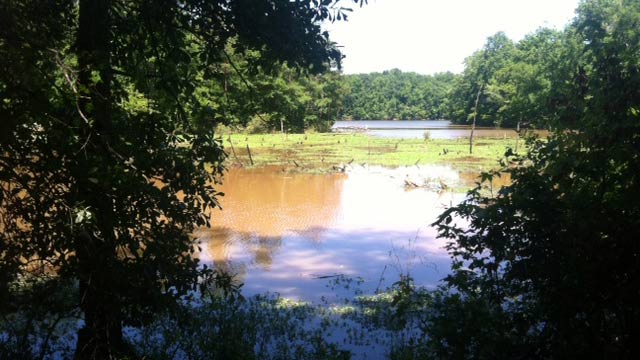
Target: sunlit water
415 129
291 233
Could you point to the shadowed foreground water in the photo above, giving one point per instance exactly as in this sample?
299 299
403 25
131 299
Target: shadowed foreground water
290 233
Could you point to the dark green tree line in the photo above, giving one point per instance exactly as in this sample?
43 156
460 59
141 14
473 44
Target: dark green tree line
549 267
394 95
107 156
525 82
280 97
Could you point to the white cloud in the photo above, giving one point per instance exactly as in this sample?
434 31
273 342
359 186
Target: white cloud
428 36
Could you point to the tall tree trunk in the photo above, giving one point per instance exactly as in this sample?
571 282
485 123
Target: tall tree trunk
101 335
475 115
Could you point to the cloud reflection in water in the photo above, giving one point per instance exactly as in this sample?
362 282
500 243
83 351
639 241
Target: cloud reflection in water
280 232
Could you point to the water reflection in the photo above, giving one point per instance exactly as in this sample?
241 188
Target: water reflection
497 182
415 129
266 202
448 133
260 207
219 241
286 232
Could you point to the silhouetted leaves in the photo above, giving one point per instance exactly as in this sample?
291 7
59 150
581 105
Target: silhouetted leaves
550 264
107 156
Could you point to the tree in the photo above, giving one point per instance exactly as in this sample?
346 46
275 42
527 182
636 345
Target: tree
480 68
248 95
396 95
553 261
527 88
107 159
327 93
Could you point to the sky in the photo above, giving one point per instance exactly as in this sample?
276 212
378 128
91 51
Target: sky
429 36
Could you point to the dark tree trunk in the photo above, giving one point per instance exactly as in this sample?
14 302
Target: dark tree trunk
101 336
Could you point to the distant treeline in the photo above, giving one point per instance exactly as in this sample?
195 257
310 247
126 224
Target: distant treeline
529 82
396 95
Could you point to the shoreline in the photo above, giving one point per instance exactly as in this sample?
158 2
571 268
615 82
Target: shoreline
332 152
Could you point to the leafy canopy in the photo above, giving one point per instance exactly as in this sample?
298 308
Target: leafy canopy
107 155
551 262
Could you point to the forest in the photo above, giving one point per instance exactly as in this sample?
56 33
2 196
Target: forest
110 157
394 95
528 82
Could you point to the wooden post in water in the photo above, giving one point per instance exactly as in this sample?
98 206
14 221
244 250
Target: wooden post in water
233 150
475 115
250 157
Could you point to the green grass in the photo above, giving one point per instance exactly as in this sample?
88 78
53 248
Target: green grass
326 152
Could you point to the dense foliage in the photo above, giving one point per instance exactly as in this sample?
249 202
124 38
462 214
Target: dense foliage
278 98
107 155
527 82
108 161
549 267
394 95
514 82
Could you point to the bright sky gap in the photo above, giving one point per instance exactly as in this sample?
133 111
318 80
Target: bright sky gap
429 36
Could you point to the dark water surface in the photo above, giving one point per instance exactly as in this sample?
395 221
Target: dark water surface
415 129
291 233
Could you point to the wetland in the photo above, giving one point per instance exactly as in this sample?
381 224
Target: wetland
301 209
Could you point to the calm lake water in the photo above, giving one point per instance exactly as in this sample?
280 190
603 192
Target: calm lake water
291 233
415 129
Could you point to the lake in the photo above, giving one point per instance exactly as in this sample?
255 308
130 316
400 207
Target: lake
415 129
292 233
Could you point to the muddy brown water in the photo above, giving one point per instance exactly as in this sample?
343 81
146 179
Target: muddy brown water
293 233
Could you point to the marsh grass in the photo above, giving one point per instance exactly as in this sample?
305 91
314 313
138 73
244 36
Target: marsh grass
325 152
272 327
